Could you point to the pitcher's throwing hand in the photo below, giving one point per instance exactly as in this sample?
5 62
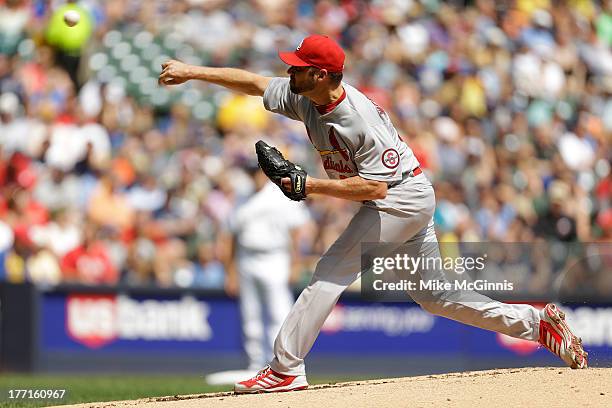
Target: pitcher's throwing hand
174 73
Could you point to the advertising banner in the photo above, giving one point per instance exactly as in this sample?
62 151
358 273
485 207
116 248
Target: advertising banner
116 322
199 326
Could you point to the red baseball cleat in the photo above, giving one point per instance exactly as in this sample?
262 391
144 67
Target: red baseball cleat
268 380
557 337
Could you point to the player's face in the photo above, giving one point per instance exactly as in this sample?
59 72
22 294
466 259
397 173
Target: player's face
302 79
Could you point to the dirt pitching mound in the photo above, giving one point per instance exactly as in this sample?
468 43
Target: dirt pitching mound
524 387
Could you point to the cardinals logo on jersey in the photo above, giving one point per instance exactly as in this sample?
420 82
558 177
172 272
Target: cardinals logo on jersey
327 152
333 140
337 166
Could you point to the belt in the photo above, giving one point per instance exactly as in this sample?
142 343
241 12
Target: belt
412 173
415 172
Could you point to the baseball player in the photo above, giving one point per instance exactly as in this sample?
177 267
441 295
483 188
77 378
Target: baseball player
262 253
366 161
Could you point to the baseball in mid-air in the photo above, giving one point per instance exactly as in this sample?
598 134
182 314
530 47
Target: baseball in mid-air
71 17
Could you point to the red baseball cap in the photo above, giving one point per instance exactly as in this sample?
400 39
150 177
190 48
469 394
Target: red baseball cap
318 51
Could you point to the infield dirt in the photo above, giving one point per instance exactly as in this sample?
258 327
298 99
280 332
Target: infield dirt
524 387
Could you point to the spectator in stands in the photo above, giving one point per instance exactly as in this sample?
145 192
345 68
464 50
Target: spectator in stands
90 262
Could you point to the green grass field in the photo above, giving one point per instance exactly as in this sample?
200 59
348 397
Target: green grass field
92 388
97 388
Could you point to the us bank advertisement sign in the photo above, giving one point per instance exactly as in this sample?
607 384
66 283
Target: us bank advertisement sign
115 322
106 323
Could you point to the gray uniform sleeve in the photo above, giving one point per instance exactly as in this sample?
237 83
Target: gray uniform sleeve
278 98
376 157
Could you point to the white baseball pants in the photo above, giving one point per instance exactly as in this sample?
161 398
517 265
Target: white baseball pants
340 266
265 297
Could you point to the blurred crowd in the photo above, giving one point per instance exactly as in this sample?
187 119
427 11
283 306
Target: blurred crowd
506 104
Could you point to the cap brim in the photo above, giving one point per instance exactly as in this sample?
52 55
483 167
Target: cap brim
290 58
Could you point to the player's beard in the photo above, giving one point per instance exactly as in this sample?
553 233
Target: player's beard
307 86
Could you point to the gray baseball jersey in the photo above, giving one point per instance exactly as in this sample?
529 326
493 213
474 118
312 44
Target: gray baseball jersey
356 137
353 135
